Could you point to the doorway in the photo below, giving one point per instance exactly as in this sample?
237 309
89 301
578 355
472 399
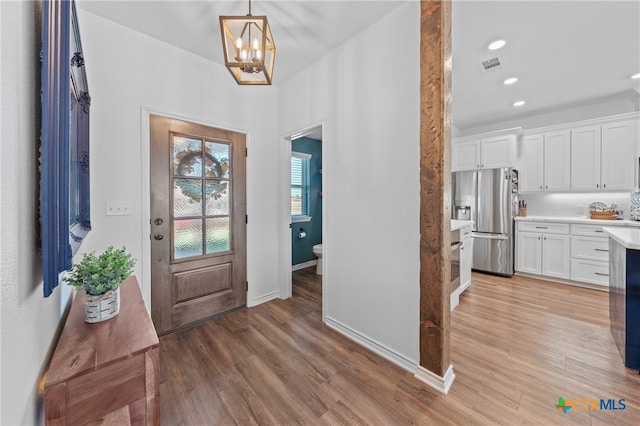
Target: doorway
198 222
304 209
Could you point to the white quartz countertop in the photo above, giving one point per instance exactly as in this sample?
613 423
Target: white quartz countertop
578 219
628 237
459 224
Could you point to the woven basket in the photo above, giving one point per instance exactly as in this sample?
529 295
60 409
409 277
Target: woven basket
103 307
604 215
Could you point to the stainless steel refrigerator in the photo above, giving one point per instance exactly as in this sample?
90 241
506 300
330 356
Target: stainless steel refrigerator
488 197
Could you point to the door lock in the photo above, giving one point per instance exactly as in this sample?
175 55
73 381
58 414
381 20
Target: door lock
158 237
158 221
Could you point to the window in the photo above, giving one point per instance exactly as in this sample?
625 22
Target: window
300 177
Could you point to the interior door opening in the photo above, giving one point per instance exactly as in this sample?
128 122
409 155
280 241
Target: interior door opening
305 244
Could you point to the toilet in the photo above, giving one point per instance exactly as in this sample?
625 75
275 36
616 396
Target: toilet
317 251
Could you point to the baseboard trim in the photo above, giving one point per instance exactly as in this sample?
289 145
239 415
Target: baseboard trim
264 298
563 281
441 384
372 345
299 266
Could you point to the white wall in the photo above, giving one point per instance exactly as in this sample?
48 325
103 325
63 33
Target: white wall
128 71
28 320
370 107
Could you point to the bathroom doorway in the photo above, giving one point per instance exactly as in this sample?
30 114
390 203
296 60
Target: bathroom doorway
303 207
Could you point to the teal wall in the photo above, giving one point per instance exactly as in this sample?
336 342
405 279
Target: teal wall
302 249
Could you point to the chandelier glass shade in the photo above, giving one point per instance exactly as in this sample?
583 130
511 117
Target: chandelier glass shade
249 50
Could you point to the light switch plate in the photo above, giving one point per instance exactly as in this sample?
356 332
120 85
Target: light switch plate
116 209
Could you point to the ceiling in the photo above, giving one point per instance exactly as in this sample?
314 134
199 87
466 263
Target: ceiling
563 52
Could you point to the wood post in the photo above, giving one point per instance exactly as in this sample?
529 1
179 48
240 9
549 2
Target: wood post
435 184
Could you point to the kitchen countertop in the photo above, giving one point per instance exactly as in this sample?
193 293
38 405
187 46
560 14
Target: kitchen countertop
630 238
459 224
578 219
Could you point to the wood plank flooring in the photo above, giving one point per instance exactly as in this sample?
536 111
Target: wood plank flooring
517 345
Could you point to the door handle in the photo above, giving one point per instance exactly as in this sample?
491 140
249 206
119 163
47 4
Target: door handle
158 237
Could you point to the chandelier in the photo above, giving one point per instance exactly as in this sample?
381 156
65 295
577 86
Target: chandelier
249 50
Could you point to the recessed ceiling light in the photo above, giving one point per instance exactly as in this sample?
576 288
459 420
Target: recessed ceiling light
518 103
510 80
636 75
497 44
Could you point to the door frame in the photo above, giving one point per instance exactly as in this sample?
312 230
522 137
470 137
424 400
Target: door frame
145 208
285 213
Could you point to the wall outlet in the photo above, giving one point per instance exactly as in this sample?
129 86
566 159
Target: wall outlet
116 209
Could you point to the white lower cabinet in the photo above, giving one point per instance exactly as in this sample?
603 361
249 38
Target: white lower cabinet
577 251
466 255
589 255
556 252
545 252
529 252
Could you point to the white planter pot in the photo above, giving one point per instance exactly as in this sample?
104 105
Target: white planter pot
103 307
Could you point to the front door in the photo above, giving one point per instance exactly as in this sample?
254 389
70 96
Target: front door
198 222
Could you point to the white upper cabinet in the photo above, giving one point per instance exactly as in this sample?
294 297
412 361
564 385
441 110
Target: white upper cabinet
545 162
483 153
531 165
600 155
603 157
618 155
465 156
585 159
497 152
557 161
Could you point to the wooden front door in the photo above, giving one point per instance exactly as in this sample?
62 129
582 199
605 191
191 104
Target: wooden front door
198 222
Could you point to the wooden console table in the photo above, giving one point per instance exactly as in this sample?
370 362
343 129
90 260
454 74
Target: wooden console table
105 373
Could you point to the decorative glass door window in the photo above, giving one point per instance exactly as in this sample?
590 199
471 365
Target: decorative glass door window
201 197
300 183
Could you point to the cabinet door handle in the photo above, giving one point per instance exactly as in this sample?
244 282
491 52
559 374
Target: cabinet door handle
600 273
540 186
546 187
542 227
600 249
604 185
538 238
597 185
599 230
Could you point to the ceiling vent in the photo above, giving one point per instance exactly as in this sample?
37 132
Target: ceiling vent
492 64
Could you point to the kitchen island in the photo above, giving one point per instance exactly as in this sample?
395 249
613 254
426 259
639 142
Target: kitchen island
624 292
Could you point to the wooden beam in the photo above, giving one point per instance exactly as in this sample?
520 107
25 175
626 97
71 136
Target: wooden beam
435 185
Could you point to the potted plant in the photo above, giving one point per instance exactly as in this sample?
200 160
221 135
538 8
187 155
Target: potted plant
100 277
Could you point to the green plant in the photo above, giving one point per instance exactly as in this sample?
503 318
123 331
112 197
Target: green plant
99 274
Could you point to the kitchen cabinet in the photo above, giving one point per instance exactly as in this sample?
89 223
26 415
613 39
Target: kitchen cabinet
618 155
543 249
603 157
585 159
557 161
589 254
466 256
531 166
490 152
545 162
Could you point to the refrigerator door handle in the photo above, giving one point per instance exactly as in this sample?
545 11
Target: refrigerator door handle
489 236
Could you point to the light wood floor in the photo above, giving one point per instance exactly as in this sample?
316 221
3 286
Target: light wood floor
517 345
